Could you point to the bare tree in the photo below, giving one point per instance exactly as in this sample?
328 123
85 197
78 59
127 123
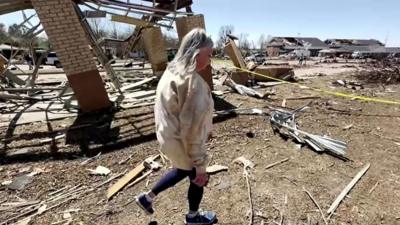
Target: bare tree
262 42
223 32
97 26
114 31
244 43
3 33
171 40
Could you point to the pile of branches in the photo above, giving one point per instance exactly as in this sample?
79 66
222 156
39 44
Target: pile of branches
381 72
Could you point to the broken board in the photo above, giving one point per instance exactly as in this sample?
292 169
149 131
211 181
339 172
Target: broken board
121 183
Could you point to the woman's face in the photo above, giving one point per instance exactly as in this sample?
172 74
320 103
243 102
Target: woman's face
203 58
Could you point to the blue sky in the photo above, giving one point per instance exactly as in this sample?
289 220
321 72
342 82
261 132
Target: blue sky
308 18
363 19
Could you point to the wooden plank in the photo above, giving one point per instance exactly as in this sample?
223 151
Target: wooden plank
131 20
121 183
347 189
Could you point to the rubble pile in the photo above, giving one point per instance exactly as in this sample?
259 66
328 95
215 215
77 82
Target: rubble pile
383 72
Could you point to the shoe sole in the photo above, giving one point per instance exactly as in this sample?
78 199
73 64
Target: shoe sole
213 222
144 209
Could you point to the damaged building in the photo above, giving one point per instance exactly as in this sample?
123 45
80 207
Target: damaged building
360 48
313 47
283 45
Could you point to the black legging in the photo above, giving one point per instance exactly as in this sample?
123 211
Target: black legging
172 177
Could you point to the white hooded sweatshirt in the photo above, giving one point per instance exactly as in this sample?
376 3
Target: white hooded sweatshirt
183 117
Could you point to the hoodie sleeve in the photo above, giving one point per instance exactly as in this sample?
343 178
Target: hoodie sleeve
194 118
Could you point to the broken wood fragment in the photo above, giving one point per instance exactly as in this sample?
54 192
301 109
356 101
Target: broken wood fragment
276 163
346 190
139 179
373 188
127 178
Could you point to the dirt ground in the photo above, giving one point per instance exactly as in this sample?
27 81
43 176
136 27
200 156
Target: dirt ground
277 193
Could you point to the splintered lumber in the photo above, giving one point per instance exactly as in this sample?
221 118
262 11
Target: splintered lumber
139 179
347 189
125 180
121 183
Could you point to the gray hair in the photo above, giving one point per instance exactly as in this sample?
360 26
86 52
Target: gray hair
190 47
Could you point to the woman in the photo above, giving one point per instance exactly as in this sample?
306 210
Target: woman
183 116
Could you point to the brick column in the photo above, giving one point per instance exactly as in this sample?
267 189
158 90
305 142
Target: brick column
62 26
155 49
184 25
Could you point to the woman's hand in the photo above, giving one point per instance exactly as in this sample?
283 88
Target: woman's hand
201 178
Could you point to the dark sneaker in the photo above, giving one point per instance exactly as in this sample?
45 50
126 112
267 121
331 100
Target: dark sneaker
143 203
202 218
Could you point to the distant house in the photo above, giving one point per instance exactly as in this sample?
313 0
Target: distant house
361 48
283 45
337 43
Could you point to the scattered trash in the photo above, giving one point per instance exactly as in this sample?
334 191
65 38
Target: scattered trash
66 216
100 170
91 159
243 90
35 172
257 111
348 127
349 84
242 111
7 182
247 164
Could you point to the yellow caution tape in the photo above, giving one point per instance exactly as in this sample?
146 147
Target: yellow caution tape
339 94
